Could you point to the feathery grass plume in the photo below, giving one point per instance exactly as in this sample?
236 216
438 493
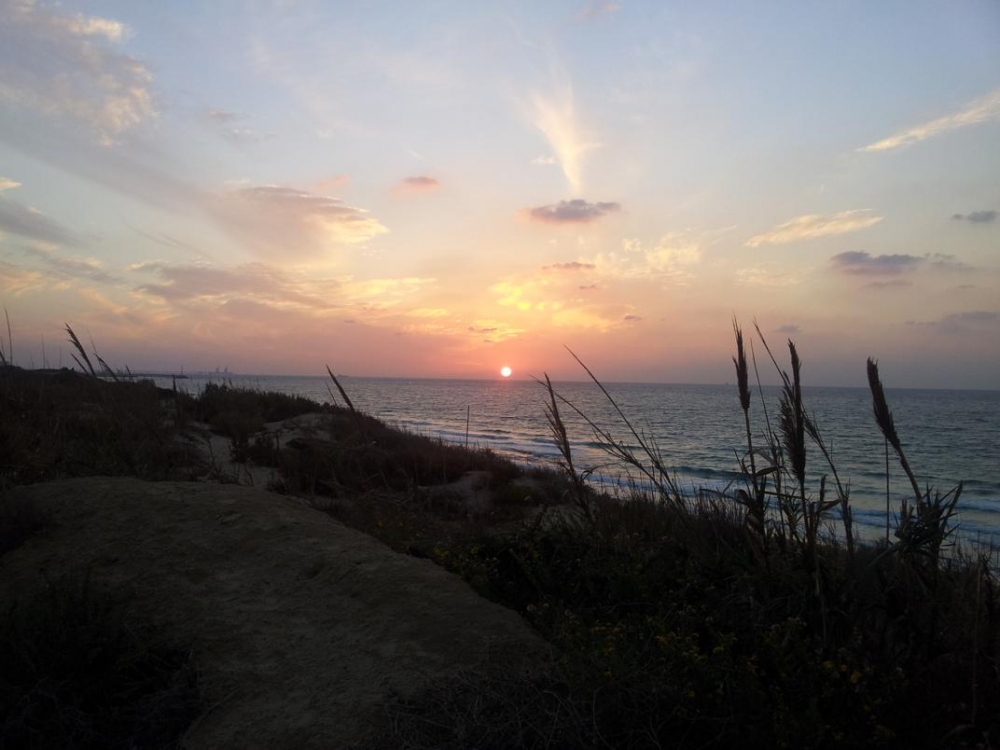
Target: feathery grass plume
883 418
655 470
85 364
792 423
557 428
742 372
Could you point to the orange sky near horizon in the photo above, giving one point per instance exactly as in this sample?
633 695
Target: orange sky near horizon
441 191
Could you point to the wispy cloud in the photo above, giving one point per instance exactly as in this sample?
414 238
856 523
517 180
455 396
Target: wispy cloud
576 211
860 263
206 286
333 183
16 279
494 331
32 224
235 127
277 221
597 9
984 109
573 265
68 268
68 67
789 329
417 184
977 217
556 117
963 322
672 260
8 184
811 226
889 284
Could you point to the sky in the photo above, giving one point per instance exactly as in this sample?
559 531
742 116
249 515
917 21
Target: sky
439 189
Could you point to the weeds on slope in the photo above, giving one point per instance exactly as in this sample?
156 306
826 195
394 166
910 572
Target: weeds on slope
731 619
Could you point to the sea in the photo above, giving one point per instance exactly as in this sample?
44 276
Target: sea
948 435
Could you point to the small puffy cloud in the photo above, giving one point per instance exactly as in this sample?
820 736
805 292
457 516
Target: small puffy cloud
32 224
984 109
8 184
977 217
789 329
587 287
860 263
632 318
556 117
576 211
294 224
418 184
597 9
573 265
812 226
68 67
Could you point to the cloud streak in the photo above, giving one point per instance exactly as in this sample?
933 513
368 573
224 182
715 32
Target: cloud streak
32 224
576 211
573 265
66 268
963 322
811 226
418 184
977 217
984 109
860 263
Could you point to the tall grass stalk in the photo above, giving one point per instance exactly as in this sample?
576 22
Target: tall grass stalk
557 428
10 338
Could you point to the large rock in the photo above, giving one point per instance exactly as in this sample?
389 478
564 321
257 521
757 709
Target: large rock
301 627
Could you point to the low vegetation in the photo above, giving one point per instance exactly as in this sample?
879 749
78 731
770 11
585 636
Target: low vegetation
717 620
78 672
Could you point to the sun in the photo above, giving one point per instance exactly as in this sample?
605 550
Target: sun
506 371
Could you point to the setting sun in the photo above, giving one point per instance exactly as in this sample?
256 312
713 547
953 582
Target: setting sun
506 371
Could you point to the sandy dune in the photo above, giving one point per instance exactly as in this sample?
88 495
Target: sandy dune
300 626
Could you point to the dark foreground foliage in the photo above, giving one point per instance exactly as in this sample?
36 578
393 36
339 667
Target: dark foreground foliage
77 672
684 622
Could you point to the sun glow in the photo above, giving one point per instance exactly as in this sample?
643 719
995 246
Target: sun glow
506 371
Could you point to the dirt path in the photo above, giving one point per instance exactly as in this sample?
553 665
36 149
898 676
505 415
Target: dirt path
300 626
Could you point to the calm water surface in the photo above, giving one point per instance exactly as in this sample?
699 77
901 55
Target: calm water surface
947 435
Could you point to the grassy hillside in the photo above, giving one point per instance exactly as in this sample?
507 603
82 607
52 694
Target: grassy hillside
681 621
